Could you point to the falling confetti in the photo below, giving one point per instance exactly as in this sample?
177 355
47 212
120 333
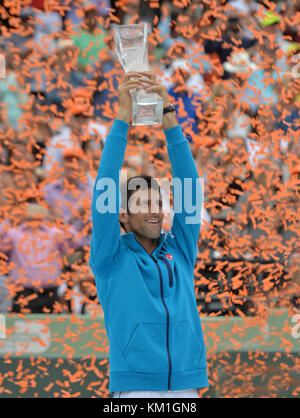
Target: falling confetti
232 72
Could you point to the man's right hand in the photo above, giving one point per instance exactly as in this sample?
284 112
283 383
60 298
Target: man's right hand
131 80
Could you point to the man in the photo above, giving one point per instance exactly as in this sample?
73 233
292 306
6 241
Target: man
144 280
73 15
189 105
70 135
89 38
69 196
34 248
233 39
63 68
80 127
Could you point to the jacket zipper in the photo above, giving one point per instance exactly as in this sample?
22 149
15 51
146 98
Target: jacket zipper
167 264
168 319
167 312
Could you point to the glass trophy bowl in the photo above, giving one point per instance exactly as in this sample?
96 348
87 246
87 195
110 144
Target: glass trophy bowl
131 49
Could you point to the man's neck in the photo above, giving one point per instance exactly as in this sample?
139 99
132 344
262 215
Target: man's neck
148 243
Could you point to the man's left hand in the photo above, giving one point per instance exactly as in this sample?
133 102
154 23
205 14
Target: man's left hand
156 87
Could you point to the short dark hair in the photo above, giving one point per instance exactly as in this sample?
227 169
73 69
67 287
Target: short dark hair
132 185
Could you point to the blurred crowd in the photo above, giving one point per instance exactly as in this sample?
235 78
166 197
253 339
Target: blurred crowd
232 69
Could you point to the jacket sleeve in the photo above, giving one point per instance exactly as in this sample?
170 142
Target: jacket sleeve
187 195
105 240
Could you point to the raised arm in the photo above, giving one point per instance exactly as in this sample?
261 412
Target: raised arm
105 203
187 194
187 191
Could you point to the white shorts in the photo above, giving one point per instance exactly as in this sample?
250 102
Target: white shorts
186 393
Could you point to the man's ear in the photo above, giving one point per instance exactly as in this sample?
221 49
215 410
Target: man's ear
123 216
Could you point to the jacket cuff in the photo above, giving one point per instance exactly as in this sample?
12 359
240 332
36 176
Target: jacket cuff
174 135
120 128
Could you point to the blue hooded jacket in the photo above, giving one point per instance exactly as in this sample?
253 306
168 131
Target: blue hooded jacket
150 311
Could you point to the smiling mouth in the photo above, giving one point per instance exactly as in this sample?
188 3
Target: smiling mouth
153 222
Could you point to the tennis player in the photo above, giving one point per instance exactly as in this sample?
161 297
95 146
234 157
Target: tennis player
145 278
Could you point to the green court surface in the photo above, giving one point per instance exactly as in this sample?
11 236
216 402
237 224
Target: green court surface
67 356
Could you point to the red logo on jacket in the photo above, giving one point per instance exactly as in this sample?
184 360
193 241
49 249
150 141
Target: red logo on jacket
169 256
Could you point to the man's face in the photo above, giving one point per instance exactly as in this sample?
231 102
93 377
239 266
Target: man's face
91 18
233 28
79 123
71 168
28 25
145 214
180 78
35 215
132 7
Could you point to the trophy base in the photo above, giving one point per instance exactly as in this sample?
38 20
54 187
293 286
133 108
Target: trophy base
147 109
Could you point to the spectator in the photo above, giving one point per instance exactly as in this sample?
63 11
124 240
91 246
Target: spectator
288 208
219 115
189 105
228 184
246 7
287 115
63 78
273 39
179 55
105 94
262 85
71 134
4 293
69 197
185 32
233 40
92 152
227 111
21 165
294 267
42 134
128 10
12 96
89 40
262 139
29 56
48 27
79 130
265 185
172 25
6 185
74 16
20 39
290 227
34 248
290 12
82 295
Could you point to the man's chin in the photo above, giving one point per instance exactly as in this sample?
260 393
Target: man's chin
152 234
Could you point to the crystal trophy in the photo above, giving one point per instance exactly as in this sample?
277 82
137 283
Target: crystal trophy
131 49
